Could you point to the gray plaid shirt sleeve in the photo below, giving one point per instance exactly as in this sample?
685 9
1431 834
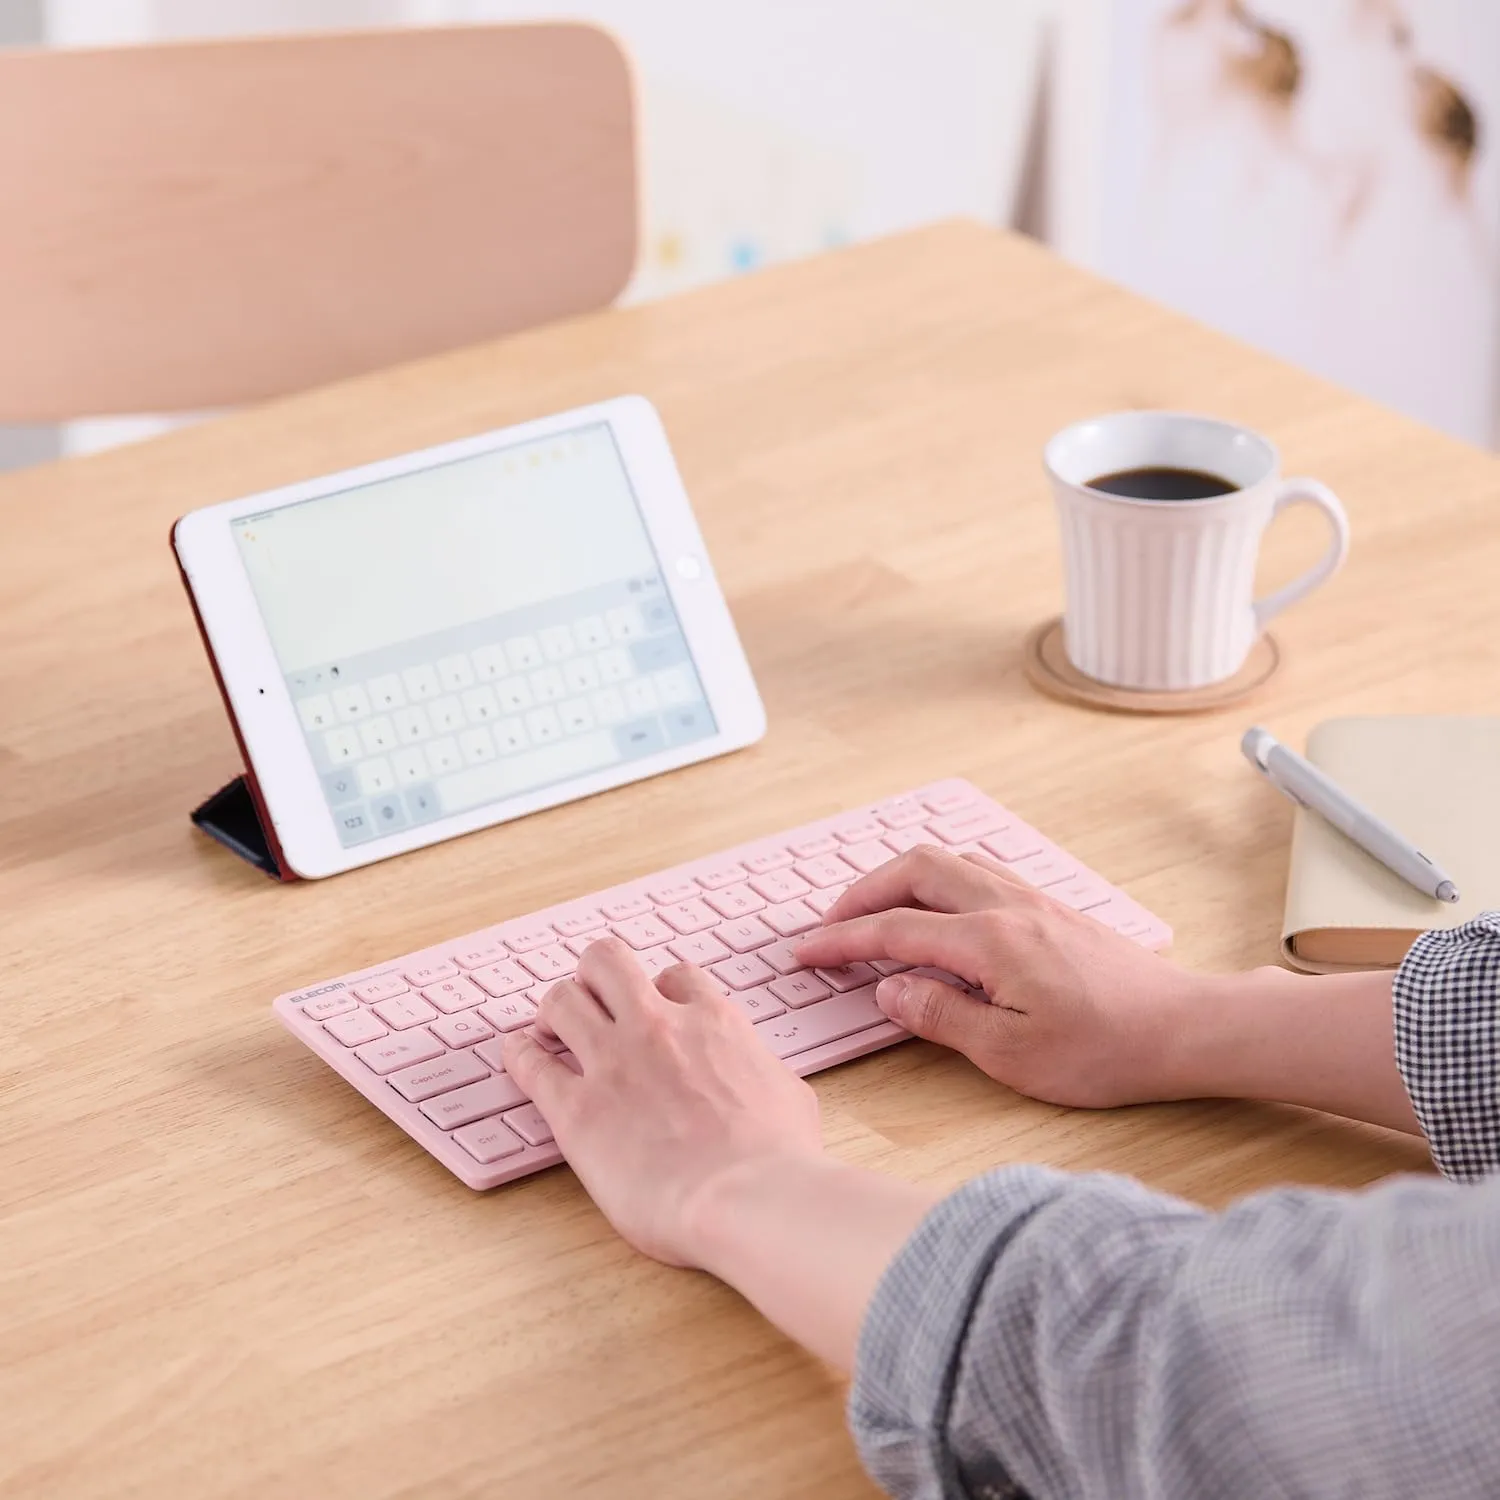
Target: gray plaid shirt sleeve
1082 1338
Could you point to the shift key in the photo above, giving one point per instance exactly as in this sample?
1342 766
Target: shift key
826 1021
461 1106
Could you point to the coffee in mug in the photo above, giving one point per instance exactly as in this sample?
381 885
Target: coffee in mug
1162 515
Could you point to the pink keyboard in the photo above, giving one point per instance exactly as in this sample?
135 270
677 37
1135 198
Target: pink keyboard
420 1036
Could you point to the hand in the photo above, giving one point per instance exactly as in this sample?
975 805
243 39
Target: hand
671 1093
1076 1014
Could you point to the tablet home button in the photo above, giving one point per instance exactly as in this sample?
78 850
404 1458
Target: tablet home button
689 567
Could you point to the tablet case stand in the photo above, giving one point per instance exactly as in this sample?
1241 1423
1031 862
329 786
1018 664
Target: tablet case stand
233 817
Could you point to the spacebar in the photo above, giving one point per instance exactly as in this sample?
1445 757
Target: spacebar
531 768
826 1021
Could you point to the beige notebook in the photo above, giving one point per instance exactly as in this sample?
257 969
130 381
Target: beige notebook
1435 780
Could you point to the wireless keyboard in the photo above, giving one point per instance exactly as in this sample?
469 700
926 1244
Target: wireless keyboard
420 1036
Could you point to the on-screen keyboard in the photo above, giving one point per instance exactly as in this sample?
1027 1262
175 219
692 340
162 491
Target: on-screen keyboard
420 1036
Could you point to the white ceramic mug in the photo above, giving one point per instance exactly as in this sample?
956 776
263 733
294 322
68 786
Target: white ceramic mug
1161 593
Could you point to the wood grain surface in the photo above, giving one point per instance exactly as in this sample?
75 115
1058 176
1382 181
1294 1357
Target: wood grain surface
224 1275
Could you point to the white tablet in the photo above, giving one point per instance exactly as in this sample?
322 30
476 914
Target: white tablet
431 644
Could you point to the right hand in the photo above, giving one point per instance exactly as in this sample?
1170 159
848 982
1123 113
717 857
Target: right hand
1076 1014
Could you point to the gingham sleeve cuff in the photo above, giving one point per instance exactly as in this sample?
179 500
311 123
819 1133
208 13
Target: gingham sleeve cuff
1447 1000
915 1331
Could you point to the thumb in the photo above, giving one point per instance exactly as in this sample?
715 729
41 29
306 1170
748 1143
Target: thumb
929 1008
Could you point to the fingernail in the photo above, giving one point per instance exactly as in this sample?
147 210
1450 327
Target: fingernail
890 992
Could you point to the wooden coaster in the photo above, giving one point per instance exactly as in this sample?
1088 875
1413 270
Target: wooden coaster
1048 669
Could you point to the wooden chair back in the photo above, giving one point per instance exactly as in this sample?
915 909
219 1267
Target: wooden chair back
201 224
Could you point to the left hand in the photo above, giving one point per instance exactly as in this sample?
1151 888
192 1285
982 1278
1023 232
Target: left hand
675 1091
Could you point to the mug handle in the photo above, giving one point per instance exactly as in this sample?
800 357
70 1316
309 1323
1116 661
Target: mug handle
1306 492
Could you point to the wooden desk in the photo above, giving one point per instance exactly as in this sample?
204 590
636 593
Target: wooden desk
222 1274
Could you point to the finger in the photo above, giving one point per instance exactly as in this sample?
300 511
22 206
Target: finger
546 1080
923 876
575 1018
998 868
684 984
929 1008
934 939
609 969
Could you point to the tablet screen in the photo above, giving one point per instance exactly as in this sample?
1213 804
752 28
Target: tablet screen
479 629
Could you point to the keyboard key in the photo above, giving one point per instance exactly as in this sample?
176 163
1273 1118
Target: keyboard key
375 776
550 964
858 830
547 685
557 642
454 672
462 1030
810 848
543 726
514 695
488 1140
888 966
534 935
656 961
480 705
820 901
492 1052
1046 869
510 735
508 1014
502 979
743 972
317 712
643 932
973 823
371 990
351 702
716 877
908 838
489 663
759 1004
735 901
625 907
826 1021
870 856
1015 843
702 948
673 895
410 765
581 675
782 957
591 633
377 735
438 1076
687 917
1081 892
791 917
745 934
825 870
625 623
446 714
433 973
528 1123
763 864
342 745
949 802
576 716
475 955
328 1005
524 653
579 945
847 976
403 1011
477 746
443 755
798 990
403 1050
901 812
576 923
448 1111
355 1030
780 885
421 682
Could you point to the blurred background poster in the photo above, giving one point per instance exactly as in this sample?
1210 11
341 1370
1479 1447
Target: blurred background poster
1320 178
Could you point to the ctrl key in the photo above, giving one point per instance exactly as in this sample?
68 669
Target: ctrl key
487 1140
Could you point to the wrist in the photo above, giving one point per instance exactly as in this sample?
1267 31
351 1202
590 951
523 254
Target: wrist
1219 1033
719 1214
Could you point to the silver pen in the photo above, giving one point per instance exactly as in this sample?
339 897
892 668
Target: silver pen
1305 784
